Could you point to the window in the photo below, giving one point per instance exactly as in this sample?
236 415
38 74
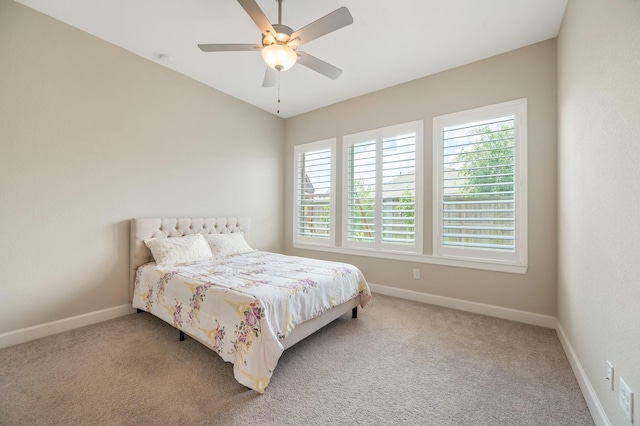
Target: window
314 195
480 183
382 208
479 180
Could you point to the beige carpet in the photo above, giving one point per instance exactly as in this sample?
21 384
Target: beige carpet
400 362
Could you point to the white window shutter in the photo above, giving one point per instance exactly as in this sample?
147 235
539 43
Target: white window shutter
314 205
382 202
480 183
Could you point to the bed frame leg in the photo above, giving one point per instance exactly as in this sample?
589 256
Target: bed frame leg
354 312
182 336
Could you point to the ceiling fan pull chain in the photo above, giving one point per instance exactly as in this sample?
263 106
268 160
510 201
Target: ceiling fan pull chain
278 91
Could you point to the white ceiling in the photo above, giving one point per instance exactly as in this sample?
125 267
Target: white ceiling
389 42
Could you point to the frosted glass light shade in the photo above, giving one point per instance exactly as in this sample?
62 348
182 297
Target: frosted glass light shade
279 57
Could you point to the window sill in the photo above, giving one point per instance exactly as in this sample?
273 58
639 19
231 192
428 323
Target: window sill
494 266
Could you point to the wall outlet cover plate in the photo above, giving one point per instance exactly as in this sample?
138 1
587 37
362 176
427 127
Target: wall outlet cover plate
626 399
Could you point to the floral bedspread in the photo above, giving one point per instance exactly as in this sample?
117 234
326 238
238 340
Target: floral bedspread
241 306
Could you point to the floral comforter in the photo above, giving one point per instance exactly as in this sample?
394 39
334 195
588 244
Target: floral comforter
241 306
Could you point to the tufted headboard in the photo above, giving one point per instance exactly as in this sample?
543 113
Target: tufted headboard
149 227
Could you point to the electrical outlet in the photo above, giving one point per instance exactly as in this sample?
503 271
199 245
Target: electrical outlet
626 399
416 274
610 374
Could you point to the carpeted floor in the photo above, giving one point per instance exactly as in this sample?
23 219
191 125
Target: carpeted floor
399 363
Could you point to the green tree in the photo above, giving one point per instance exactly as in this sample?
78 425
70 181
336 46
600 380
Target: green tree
406 206
488 162
403 221
363 211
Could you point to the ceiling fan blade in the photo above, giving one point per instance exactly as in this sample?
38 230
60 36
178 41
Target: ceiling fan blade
318 65
270 77
228 47
334 21
254 11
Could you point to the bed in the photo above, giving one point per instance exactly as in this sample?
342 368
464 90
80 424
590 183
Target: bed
246 305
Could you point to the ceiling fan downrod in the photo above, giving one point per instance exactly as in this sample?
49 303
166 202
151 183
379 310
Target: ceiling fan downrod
279 12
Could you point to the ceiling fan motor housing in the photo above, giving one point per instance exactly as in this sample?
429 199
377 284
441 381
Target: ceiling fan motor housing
282 35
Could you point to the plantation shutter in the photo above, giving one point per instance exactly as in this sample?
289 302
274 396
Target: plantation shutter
314 195
478 186
361 204
380 203
398 189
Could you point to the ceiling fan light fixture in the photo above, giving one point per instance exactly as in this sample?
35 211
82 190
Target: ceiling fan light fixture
279 57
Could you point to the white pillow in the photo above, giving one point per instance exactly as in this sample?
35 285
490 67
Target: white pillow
175 250
223 245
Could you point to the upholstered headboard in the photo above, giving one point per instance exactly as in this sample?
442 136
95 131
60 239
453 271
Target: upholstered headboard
150 227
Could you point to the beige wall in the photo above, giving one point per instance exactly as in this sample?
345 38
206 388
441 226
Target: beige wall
91 136
599 200
525 73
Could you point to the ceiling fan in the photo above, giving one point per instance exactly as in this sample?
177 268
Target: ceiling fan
280 43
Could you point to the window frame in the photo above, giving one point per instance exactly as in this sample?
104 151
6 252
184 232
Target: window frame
329 144
379 135
519 257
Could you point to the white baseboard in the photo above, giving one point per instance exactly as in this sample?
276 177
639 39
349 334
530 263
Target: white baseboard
547 321
43 330
595 407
